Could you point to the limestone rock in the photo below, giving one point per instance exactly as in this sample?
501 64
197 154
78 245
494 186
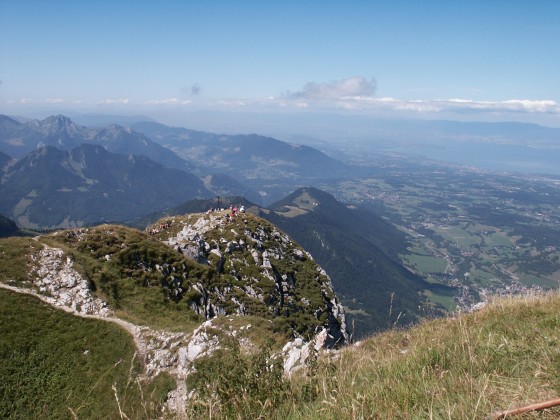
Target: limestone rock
62 285
297 353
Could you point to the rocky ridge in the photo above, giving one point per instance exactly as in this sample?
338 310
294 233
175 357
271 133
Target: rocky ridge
263 272
256 280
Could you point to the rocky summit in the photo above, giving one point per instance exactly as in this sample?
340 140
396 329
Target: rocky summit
260 271
184 288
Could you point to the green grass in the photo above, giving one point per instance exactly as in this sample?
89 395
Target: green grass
505 356
482 276
293 211
459 236
257 330
498 239
445 300
547 283
15 259
56 365
306 201
425 264
130 281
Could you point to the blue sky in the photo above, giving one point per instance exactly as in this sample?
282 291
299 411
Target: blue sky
488 60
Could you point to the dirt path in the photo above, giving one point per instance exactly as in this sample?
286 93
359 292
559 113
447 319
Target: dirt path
61 286
132 329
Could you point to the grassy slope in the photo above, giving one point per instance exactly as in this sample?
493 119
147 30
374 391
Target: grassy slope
505 356
118 281
55 364
129 282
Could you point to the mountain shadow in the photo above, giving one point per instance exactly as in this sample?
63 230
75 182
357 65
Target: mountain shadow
7 227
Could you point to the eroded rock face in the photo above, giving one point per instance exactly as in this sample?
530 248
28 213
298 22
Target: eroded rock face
62 285
176 352
297 354
262 272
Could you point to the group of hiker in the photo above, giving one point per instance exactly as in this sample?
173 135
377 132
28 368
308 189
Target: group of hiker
233 210
162 226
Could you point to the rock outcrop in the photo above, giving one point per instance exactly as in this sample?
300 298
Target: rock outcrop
61 285
262 271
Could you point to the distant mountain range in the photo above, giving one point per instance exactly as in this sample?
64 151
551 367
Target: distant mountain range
123 173
51 188
18 139
103 120
271 166
107 177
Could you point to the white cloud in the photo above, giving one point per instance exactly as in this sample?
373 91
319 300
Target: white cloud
356 93
114 102
351 87
512 105
365 104
237 102
454 105
168 101
348 95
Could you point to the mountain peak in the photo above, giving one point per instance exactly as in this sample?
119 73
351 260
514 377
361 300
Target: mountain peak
114 132
262 273
59 121
60 129
315 193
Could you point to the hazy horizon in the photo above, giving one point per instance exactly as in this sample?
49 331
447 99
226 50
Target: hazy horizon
315 72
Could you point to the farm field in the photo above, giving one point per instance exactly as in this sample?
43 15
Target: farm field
482 232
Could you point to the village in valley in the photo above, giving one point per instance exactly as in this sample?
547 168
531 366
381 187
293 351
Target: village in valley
482 233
